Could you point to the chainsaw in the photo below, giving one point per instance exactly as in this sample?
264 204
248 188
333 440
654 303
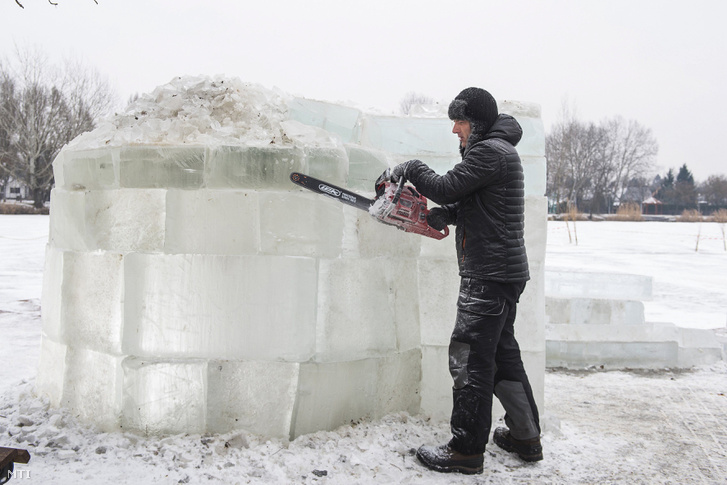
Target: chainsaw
396 203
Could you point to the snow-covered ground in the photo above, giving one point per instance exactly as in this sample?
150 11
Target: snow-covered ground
687 262
600 427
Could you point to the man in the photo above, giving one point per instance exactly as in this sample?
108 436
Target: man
484 196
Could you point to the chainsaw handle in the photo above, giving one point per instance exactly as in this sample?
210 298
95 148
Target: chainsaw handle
399 190
434 234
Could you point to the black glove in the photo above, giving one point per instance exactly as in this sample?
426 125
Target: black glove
438 218
404 170
398 172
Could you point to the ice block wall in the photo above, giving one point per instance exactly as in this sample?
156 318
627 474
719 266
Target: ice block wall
190 287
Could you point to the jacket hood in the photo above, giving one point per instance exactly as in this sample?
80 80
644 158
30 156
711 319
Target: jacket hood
507 128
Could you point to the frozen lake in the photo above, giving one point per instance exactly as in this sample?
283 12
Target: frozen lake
689 285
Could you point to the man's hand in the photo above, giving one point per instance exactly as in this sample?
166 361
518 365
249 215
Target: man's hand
404 170
398 172
438 218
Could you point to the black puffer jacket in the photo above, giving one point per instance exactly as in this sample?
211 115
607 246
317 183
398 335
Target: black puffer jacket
484 196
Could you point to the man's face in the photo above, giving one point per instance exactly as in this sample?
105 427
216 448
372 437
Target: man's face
462 129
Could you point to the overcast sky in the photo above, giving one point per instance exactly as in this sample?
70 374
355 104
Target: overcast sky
660 62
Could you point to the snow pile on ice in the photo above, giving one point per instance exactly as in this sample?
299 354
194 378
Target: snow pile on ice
196 110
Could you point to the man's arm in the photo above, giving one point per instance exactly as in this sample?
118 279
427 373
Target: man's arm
475 171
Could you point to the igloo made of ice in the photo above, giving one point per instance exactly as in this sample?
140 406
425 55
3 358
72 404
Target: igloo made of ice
190 287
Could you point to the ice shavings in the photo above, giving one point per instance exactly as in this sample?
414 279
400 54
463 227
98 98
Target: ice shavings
195 110
383 206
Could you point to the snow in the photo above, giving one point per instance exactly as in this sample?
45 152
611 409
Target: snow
209 111
195 110
600 427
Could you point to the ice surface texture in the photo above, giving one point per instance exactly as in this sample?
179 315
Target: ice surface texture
190 287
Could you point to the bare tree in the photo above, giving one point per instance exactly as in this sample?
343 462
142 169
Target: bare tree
7 159
602 172
714 190
632 151
596 161
88 97
557 148
412 99
41 109
132 99
573 150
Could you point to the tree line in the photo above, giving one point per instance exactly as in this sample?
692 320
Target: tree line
680 192
594 167
42 108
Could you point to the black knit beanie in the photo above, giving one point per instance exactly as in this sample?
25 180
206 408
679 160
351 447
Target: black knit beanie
476 106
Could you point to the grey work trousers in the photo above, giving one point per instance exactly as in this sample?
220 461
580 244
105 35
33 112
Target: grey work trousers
484 359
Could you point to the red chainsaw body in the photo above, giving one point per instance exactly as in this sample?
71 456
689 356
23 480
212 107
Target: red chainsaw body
402 206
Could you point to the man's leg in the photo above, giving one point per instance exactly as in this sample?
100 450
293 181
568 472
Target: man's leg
513 389
512 386
481 315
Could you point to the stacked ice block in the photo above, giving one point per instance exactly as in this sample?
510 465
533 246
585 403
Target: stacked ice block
190 287
597 319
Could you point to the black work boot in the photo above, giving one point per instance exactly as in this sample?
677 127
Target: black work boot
445 459
528 450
